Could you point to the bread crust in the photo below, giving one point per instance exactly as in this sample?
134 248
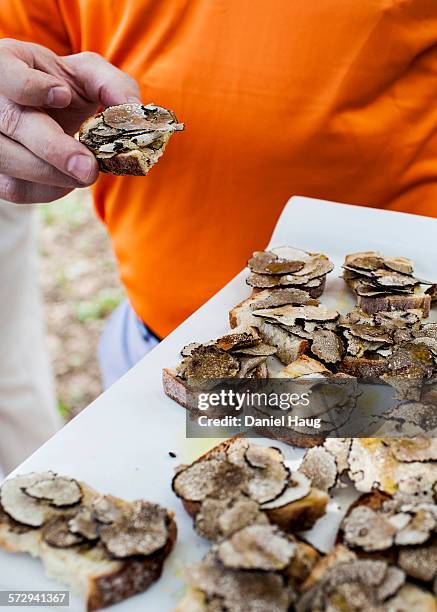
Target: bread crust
137 162
176 389
364 368
134 576
379 303
233 313
122 578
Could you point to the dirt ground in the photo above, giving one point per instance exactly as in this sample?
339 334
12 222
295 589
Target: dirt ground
80 288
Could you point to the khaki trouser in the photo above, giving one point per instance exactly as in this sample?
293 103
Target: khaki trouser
28 415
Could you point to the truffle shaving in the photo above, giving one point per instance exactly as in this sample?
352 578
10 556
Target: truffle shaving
320 467
240 591
367 529
267 483
84 524
280 297
56 533
57 490
299 486
327 346
20 506
142 530
415 449
257 547
212 477
419 562
106 509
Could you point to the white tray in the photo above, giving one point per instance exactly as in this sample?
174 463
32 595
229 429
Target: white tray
120 443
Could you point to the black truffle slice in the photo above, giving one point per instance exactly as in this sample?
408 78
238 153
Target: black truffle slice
58 491
141 530
257 547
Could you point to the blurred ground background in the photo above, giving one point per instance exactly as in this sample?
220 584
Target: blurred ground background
80 288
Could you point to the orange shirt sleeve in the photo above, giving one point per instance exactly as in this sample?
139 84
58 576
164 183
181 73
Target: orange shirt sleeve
38 21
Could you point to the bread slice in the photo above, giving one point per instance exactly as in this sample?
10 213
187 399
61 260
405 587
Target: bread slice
137 162
275 566
364 368
293 517
129 138
87 567
389 281
389 303
342 581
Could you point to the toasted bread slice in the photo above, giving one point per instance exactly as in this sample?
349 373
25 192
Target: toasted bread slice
388 303
363 367
291 340
85 565
129 138
382 283
137 162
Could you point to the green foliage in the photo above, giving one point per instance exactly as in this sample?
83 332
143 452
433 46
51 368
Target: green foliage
100 306
63 408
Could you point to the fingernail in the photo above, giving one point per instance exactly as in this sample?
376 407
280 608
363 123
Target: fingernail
80 167
58 97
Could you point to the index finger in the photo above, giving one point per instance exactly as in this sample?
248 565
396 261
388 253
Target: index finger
26 85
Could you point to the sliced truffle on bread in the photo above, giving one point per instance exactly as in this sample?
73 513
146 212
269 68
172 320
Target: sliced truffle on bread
129 138
241 314
259 567
294 323
214 586
289 267
386 283
239 483
240 354
342 581
372 341
400 528
104 548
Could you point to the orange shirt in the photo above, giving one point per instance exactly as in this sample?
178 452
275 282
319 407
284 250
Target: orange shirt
331 99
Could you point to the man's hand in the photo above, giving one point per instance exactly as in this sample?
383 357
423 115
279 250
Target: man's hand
43 100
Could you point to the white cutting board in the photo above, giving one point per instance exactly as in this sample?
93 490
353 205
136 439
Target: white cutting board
120 443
